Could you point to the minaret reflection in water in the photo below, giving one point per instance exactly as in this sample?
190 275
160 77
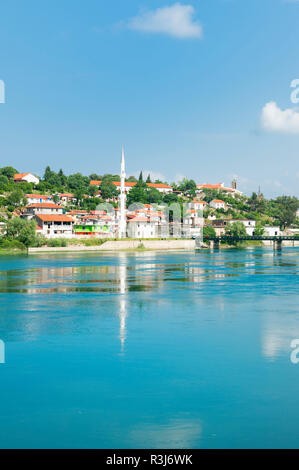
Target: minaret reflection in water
122 300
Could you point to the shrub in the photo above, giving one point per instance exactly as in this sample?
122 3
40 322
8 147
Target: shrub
56 242
11 244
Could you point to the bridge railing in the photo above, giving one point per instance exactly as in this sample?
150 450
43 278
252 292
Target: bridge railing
253 237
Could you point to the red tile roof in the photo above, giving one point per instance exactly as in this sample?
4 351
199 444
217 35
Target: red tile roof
19 176
54 218
38 196
77 211
98 212
218 186
158 185
116 183
46 205
66 195
210 186
131 184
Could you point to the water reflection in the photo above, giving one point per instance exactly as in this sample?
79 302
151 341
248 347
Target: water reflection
177 433
279 329
123 300
174 350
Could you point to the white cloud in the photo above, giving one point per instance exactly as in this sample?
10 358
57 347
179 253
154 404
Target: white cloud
274 119
175 20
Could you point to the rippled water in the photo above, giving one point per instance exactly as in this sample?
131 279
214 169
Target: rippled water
150 349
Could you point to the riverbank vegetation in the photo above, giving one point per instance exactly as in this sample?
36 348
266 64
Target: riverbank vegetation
18 234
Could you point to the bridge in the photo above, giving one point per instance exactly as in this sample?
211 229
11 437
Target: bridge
214 242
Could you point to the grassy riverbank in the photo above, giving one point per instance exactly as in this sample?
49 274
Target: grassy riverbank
12 247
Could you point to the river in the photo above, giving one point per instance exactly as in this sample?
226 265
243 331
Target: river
150 349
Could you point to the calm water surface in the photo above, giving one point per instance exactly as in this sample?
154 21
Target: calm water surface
159 350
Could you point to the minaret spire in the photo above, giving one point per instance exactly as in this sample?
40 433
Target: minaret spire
122 198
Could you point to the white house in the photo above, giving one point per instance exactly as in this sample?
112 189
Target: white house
217 204
66 198
193 223
54 226
248 224
220 187
272 231
197 205
25 177
42 208
36 198
161 187
141 227
221 224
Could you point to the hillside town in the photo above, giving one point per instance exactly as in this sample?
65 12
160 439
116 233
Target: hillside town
114 206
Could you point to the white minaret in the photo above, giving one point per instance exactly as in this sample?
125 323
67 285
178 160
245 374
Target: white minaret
122 231
122 301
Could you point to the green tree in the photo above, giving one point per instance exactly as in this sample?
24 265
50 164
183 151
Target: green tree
235 230
287 208
209 232
108 190
154 196
170 197
137 194
148 179
3 182
131 179
79 195
188 187
62 178
16 198
95 177
48 173
92 190
257 203
259 230
22 230
8 171
78 182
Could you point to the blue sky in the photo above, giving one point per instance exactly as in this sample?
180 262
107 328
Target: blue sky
185 86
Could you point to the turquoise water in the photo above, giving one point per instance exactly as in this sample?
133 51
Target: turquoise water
149 349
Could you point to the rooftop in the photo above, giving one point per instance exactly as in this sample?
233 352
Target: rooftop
19 176
45 205
54 218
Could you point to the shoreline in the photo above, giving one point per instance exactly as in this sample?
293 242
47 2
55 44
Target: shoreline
136 246
125 245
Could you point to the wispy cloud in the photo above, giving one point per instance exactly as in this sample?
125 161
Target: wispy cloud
274 119
176 20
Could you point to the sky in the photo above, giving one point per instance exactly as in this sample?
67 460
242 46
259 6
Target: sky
198 89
